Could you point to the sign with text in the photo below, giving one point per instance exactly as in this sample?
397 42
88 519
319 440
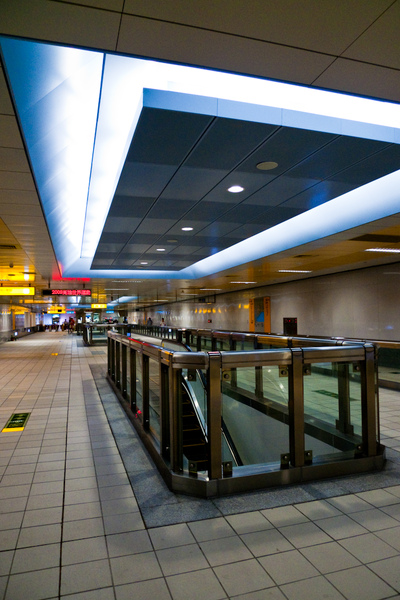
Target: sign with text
17 291
69 292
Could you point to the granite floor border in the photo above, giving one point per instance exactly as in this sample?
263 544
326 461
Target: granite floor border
159 506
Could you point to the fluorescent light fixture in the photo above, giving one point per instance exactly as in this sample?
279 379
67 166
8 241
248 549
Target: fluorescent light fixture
388 250
235 189
144 263
160 249
243 282
292 271
187 228
211 289
81 107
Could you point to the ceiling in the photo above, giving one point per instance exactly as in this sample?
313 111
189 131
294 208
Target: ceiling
185 153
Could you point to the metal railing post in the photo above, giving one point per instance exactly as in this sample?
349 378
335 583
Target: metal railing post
124 379
214 413
296 409
146 392
368 406
175 420
343 423
133 378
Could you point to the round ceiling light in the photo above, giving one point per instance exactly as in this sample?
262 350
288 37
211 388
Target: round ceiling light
267 165
235 189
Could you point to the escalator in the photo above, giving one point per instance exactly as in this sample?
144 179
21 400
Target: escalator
194 422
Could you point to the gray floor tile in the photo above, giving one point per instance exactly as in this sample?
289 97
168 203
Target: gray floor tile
242 578
225 550
368 548
6 559
304 534
311 589
341 527
84 550
389 571
34 585
360 583
123 523
374 519
248 522
261 543
33 559
211 529
198 585
132 542
85 576
284 515
153 588
133 568
86 510
37 536
330 557
171 536
42 516
287 567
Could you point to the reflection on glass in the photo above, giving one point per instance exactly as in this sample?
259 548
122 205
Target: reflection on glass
255 415
139 383
154 397
332 409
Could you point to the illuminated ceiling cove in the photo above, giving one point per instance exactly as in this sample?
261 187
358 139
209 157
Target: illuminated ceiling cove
176 172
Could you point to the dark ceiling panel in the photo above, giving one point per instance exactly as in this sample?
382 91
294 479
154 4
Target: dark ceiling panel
227 142
179 168
164 137
287 147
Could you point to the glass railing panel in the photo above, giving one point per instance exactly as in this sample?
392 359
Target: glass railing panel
154 398
389 366
128 374
332 409
206 344
256 415
139 382
196 384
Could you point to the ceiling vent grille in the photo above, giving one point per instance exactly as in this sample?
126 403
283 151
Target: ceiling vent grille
7 247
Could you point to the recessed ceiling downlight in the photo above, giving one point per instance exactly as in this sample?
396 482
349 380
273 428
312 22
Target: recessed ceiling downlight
267 165
235 189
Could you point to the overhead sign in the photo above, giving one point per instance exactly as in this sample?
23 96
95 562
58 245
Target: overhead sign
70 292
17 291
55 310
99 306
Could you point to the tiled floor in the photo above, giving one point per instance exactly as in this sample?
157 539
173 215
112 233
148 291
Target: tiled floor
72 527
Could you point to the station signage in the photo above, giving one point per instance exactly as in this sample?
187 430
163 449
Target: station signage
99 306
17 291
69 292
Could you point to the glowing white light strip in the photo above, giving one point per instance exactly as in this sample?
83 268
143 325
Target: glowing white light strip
388 250
236 96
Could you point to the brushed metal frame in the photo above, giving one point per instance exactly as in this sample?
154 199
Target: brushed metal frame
168 455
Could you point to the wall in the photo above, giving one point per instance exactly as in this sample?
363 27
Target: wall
363 303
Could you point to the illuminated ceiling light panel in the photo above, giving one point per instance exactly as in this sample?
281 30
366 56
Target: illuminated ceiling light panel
235 189
388 250
78 110
292 271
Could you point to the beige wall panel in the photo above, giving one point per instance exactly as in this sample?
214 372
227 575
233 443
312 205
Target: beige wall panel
9 132
198 47
363 79
18 197
380 44
319 25
6 107
60 22
16 181
13 159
